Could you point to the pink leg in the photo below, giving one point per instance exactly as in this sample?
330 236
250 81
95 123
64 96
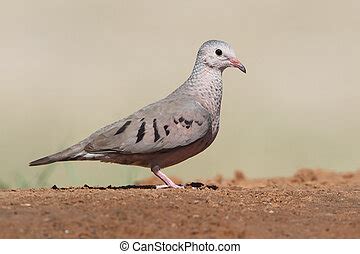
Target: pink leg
164 178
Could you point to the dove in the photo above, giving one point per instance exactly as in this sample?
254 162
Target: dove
166 132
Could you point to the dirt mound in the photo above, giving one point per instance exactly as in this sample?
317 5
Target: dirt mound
302 176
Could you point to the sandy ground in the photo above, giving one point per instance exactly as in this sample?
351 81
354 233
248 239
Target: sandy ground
311 204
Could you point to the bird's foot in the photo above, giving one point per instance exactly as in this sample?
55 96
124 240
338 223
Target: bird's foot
172 186
165 179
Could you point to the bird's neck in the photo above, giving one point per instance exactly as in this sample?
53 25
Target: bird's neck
205 84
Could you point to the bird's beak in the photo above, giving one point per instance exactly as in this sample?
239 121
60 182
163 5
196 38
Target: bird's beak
236 63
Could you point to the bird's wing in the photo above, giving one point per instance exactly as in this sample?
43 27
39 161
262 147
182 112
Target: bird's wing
167 124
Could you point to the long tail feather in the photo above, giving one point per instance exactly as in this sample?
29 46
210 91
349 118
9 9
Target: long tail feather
65 155
43 161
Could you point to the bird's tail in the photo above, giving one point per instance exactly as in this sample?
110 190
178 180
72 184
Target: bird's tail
70 153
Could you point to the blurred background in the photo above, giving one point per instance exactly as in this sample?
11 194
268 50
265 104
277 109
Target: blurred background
68 68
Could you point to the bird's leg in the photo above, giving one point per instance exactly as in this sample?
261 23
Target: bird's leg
164 178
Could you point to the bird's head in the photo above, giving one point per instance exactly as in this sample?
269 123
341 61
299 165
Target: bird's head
220 55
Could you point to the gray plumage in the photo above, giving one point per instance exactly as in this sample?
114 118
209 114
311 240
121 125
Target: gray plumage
168 131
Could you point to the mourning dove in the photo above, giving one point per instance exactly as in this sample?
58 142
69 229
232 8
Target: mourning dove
168 131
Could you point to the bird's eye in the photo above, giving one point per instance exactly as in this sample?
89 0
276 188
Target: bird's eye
218 52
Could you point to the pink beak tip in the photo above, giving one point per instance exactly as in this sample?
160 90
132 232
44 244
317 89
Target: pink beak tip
236 63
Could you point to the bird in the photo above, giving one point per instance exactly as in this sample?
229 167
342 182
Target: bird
168 131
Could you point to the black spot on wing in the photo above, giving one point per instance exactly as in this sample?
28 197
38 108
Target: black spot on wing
142 119
123 128
185 123
198 123
188 123
141 132
167 132
176 122
156 131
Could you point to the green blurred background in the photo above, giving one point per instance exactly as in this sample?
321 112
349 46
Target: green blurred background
68 68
